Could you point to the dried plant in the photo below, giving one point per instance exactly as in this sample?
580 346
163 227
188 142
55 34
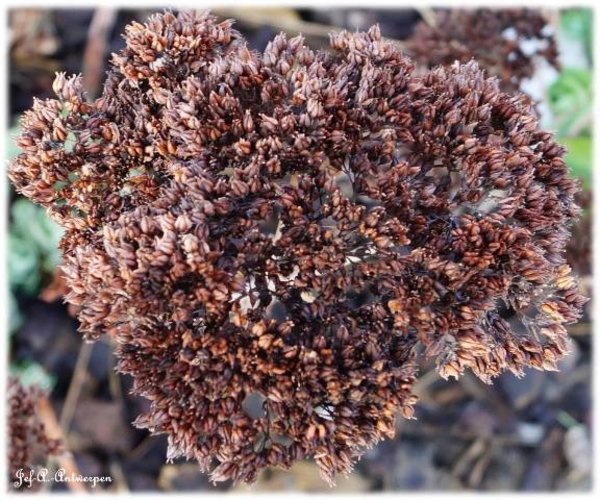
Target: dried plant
28 444
273 238
496 39
578 251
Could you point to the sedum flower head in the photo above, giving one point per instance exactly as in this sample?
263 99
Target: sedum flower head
509 43
28 443
273 238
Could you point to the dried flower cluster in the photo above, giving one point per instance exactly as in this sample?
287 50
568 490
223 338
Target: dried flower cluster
578 251
272 238
494 38
28 444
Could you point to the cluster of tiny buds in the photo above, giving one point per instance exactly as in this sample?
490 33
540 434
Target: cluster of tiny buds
28 444
508 43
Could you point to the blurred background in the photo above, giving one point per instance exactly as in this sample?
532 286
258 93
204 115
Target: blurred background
530 434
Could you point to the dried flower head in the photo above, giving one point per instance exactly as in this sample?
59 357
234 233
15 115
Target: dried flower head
578 251
505 42
273 237
28 444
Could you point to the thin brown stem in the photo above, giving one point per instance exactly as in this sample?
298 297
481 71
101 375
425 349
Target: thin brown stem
53 430
77 381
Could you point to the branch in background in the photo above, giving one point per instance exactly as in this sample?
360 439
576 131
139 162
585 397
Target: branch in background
94 57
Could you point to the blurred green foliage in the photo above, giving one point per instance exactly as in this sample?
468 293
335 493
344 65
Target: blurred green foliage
571 102
12 149
577 24
579 157
571 96
30 373
32 246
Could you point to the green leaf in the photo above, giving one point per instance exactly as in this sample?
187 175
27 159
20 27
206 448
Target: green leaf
51 256
15 318
31 223
23 265
30 373
570 98
579 157
576 24
12 151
